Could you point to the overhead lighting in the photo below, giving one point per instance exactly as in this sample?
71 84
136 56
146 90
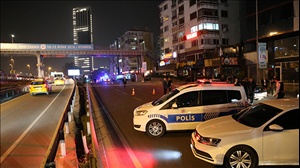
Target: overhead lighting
273 33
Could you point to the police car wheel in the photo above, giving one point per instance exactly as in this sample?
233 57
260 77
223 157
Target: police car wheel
155 128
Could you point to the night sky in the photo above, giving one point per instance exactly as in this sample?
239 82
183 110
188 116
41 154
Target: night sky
50 22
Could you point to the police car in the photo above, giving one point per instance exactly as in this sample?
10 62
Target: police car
186 106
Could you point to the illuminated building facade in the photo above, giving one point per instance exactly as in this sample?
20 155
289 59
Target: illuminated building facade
194 32
212 37
83 34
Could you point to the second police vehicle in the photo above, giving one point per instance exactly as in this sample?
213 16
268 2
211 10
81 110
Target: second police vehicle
186 106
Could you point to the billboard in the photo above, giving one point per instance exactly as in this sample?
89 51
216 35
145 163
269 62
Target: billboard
73 72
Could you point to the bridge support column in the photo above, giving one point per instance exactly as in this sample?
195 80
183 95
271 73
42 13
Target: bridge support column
40 65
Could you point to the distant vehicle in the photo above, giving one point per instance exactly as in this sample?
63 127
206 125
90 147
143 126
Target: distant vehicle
55 75
260 93
59 81
147 78
186 106
119 77
266 133
58 74
103 78
38 86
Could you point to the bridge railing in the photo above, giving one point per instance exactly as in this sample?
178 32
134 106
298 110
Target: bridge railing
9 92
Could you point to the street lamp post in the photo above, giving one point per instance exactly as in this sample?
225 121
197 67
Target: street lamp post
12 62
49 71
11 68
12 38
28 69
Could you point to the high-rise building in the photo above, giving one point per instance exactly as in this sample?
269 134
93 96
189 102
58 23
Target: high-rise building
83 34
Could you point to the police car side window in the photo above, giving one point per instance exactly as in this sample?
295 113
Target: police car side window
233 95
188 99
211 97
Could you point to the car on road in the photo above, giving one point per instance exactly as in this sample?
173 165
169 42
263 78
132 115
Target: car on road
266 133
38 86
186 106
59 81
260 93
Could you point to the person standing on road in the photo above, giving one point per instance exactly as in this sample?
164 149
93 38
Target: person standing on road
279 92
252 86
165 85
265 83
273 86
124 81
246 85
237 82
169 84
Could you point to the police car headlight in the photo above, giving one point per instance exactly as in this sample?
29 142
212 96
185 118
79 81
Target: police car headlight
140 112
207 140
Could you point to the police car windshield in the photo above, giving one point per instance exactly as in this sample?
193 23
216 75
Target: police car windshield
165 97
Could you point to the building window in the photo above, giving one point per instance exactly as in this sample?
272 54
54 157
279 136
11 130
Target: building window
167 50
224 27
193 15
224 13
216 41
194 29
165 6
286 47
181 21
181 9
194 43
174 14
192 2
166 28
174 23
225 41
181 46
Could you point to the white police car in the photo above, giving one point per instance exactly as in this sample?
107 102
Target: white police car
186 106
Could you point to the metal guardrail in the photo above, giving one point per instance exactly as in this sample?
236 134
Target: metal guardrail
7 93
49 160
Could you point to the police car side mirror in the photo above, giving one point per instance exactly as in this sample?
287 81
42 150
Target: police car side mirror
174 106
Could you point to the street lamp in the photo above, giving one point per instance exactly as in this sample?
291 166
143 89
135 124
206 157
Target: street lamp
28 69
49 71
12 38
12 61
11 68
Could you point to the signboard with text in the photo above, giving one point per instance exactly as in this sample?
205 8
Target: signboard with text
262 55
45 47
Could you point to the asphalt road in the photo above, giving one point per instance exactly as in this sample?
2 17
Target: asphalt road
137 149
28 124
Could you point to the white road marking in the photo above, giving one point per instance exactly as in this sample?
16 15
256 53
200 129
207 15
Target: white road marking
12 147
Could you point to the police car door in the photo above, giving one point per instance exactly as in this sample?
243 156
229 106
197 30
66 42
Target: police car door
183 111
214 103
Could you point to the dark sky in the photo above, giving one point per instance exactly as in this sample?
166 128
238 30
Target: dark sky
50 22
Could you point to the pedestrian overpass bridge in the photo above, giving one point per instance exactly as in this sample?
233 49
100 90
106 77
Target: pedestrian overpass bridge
64 50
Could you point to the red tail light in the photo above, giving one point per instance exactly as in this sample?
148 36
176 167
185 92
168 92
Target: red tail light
247 104
45 85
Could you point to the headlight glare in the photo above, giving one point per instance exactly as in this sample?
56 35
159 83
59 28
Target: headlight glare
206 140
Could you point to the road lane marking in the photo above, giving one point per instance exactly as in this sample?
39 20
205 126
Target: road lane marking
12 147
